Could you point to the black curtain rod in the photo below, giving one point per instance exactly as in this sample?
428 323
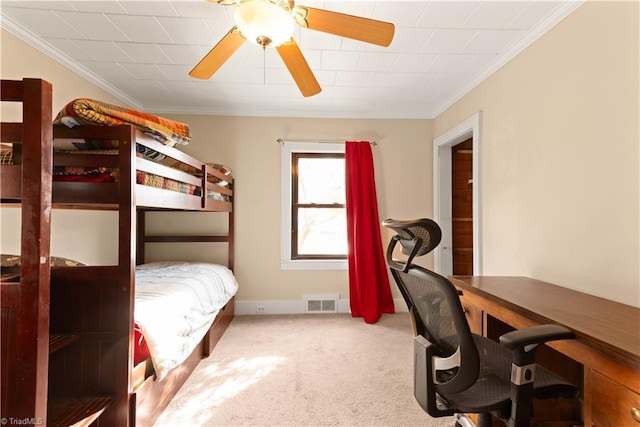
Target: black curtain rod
282 141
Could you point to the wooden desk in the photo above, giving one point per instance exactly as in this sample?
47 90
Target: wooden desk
607 344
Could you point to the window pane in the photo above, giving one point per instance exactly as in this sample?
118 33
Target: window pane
322 231
321 180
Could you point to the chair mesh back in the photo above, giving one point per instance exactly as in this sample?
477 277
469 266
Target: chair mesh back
430 306
434 303
425 235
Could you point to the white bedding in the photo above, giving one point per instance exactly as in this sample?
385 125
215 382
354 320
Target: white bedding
175 304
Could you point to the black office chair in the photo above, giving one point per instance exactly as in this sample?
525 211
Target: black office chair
458 372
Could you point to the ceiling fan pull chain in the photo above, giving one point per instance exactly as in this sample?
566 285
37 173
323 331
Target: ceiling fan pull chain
264 65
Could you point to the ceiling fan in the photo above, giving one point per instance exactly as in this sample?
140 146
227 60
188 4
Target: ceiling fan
270 23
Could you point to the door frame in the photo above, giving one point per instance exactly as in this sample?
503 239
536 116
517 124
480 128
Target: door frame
443 254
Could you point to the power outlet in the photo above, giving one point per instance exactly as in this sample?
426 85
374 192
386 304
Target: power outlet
260 309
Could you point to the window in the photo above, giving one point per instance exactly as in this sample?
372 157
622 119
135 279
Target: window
318 216
314 234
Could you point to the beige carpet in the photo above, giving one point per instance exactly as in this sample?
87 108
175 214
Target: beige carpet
304 370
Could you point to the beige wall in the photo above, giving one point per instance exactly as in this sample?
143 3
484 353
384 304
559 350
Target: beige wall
560 161
18 60
560 155
402 161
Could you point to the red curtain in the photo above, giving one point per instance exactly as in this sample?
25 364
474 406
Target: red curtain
370 293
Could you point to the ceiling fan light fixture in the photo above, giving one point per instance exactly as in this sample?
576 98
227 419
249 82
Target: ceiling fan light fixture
264 22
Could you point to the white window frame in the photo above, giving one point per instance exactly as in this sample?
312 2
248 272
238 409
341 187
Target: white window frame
286 263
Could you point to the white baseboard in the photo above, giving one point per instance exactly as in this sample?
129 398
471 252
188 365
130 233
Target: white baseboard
247 307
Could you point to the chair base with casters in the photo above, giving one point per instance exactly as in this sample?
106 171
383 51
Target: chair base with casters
455 371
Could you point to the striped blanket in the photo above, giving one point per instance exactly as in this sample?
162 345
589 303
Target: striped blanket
85 111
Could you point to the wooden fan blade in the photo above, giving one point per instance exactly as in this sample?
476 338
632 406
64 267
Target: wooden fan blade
354 27
298 67
217 56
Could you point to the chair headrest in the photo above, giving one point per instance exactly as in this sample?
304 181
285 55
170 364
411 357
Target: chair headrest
417 237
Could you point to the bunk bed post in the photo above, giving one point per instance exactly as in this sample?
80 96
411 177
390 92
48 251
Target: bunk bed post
126 275
33 317
28 365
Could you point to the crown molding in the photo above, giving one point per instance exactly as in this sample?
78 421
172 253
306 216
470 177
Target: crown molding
36 42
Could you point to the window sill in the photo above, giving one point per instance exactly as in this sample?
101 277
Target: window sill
341 264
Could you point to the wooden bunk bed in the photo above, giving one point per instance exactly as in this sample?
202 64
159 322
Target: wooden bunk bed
91 376
24 293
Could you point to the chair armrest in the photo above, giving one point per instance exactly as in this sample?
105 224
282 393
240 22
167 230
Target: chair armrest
525 341
535 335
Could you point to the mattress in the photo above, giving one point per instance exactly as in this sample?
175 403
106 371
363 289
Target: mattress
176 304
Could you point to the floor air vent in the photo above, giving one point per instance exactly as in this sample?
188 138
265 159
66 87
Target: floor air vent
325 303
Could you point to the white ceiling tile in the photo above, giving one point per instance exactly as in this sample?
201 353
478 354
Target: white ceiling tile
479 63
326 78
256 57
33 4
210 87
492 41
417 81
370 61
352 78
356 8
382 80
70 49
219 25
495 14
151 8
44 23
450 63
186 30
141 28
108 70
433 58
93 26
312 39
97 6
149 91
448 41
413 62
360 46
447 14
313 57
203 9
399 13
410 39
104 51
145 71
144 53
534 14
277 76
334 60
178 72
180 88
183 54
